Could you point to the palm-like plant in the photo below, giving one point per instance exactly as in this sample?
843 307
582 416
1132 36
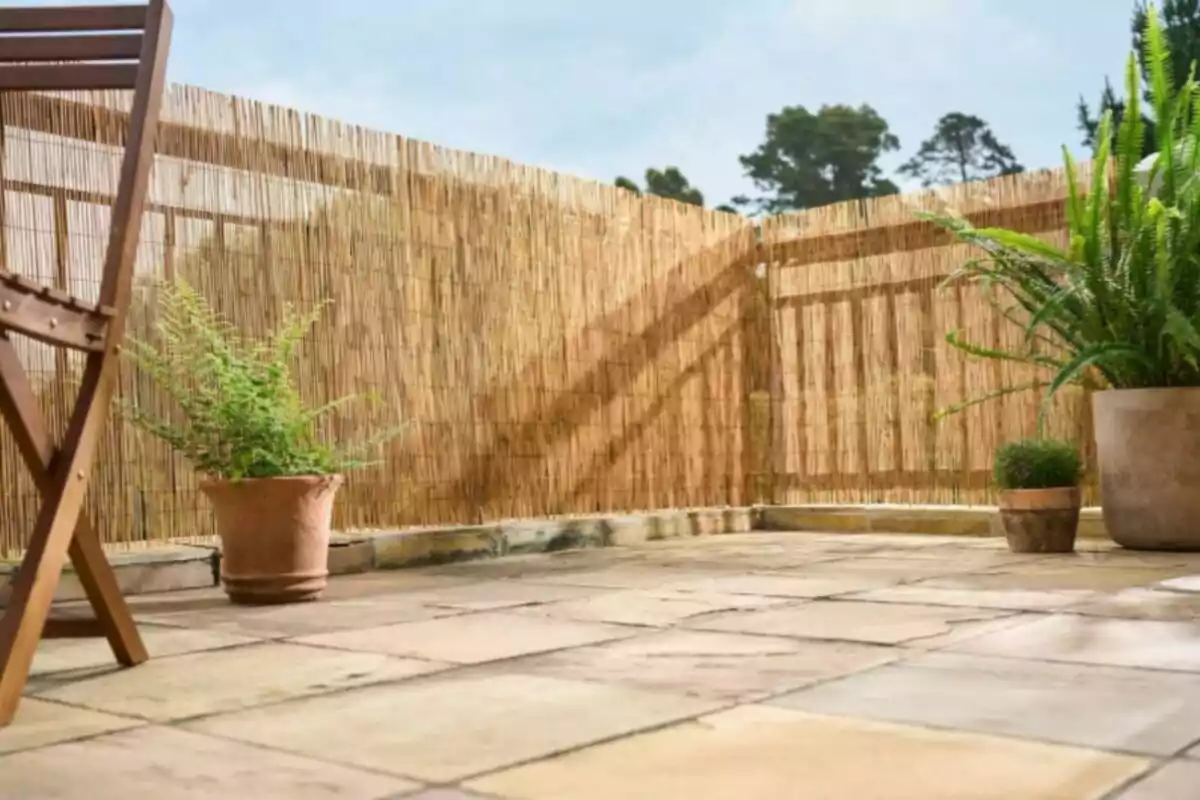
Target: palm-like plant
1120 306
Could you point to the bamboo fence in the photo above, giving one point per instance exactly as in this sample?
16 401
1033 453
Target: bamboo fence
554 345
863 370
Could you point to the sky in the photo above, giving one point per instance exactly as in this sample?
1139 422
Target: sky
612 87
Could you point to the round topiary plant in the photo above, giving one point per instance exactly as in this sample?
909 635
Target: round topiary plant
1036 464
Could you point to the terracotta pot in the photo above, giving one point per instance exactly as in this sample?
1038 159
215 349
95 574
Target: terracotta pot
274 536
1040 520
1148 444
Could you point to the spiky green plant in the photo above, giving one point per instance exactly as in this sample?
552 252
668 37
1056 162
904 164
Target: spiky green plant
1120 307
1036 464
242 415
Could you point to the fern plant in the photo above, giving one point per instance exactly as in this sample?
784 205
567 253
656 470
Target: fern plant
1120 307
242 416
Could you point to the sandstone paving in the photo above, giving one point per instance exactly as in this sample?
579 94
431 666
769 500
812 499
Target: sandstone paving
1178 780
1142 711
1149 644
304 618
761 752
472 638
721 666
61 655
224 680
447 728
43 723
1059 575
655 608
790 585
617 672
495 595
158 763
1141 603
1003 599
877 623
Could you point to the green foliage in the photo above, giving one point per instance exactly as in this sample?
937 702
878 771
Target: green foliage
1181 28
1036 464
809 160
1120 307
243 418
669 183
962 148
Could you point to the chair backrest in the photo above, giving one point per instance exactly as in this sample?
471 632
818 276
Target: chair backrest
71 47
64 48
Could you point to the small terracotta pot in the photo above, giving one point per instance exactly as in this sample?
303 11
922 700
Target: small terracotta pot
274 536
1148 446
1040 520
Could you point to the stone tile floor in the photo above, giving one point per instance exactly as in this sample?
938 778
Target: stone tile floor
749 666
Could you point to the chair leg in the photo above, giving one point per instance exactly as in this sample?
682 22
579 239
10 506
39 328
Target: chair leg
18 404
63 490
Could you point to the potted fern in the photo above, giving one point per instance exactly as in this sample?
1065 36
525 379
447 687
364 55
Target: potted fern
241 423
1119 308
1039 499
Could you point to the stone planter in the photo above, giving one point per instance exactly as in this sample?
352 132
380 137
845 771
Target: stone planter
1040 520
1148 445
274 536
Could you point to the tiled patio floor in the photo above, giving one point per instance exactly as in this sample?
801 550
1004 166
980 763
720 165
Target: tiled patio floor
739 667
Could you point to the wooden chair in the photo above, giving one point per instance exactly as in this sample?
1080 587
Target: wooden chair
121 47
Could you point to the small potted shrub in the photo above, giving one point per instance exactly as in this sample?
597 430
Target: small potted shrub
1039 502
241 423
1118 308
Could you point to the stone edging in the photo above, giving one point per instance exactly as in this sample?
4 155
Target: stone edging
175 567
935 520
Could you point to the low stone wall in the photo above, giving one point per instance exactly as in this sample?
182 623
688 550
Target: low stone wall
936 520
172 567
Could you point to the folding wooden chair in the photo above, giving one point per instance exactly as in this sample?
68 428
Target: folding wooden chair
121 47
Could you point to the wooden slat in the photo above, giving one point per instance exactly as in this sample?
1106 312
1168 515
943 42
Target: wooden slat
71 48
36 314
51 77
66 628
72 18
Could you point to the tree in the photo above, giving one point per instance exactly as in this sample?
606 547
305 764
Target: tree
808 160
1181 28
669 183
962 148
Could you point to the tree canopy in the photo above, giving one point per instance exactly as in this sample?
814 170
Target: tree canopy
669 183
808 160
962 148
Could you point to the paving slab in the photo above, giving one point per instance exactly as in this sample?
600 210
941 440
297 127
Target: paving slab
721 666
445 794
761 752
39 723
877 623
156 763
655 608
1142 604
62 655
622 577
1015 600
303 619
1094 640
1058 575
445 728
496 595
1177 780
883 570
1142 711
793 585
224 680
472 638
1188 584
